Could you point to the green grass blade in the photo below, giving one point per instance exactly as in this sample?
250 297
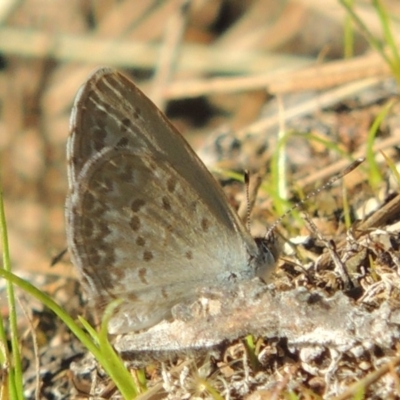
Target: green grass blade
83 337
389 38
348 37
373 41
375 176
115 366
13 360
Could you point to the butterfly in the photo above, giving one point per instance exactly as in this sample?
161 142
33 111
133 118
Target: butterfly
146 221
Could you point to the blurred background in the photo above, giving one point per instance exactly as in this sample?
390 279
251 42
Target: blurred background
227 72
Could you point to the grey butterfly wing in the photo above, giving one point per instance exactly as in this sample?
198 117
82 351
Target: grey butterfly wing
146 221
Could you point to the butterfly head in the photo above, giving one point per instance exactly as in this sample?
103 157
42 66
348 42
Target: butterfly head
269 248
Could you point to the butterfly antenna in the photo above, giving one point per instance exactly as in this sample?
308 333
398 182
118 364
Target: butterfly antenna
248 206
315 192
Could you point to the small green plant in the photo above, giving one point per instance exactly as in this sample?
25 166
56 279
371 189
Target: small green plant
386 48
97 343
